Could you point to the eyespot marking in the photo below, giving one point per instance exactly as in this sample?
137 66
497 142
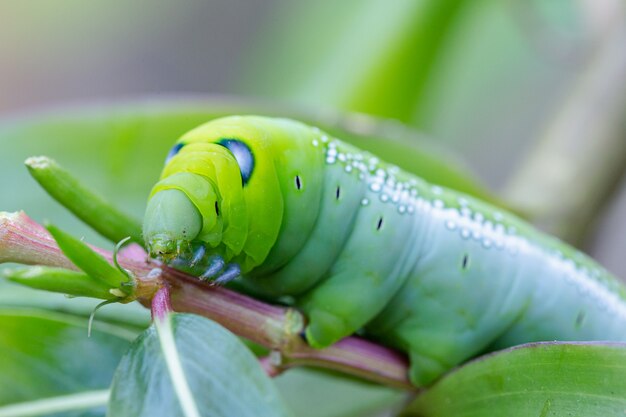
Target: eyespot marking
243 155
338 192
380 223
298 182
172 153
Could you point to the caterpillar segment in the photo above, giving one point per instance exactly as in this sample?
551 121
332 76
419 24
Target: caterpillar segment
360 245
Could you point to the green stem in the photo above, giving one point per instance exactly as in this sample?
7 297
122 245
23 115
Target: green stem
24 241
84 203
60 280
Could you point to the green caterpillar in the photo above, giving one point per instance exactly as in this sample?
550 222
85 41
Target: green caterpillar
361 245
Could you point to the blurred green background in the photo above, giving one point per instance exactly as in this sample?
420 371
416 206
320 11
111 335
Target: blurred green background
486 79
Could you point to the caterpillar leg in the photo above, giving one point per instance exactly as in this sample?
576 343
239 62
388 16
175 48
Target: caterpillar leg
190 260
231 272
198 262
216 264
198 255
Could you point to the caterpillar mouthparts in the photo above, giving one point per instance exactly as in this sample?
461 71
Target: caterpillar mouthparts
165 248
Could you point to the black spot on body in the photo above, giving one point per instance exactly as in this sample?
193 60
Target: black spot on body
217 209
380 223
465 262
243 155
298 182
338 193
580 318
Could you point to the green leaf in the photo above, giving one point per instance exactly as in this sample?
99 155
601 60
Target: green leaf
541 379
312 393
186 365
60 280
84 404
84 203
94 264
132 316
45 356
308 393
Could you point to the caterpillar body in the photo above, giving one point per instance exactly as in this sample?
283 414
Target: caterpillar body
362 245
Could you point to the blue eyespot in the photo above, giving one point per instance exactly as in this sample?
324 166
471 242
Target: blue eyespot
243 155
173 151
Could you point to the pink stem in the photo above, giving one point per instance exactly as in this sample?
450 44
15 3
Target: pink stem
24 241
357 357
271 369
161 305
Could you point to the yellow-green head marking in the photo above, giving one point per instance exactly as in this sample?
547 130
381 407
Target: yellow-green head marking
218 201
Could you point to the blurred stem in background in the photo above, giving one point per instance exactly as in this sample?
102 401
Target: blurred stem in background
393 81
580 156
550 75
370 56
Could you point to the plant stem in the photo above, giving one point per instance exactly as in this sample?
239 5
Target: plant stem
24 241
160 304
84 203
278 328
581 155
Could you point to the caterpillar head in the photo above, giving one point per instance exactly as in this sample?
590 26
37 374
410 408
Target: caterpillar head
171 223
218 197
181 232
183 225
184 205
